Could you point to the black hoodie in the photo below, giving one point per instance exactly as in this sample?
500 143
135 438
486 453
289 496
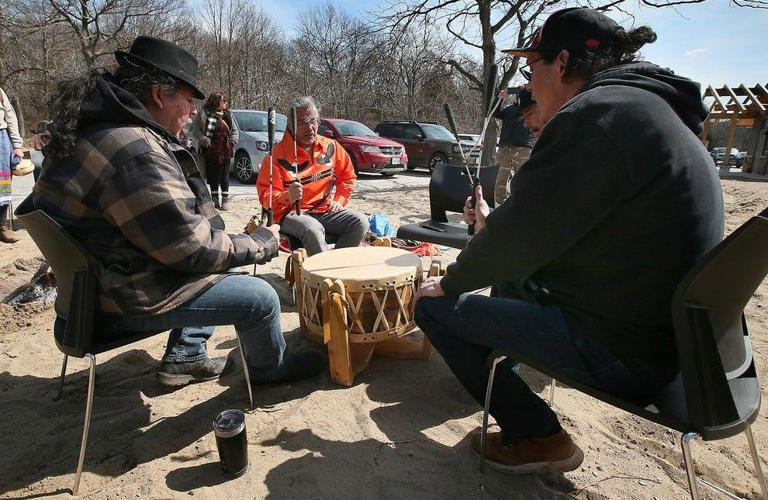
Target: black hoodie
618 200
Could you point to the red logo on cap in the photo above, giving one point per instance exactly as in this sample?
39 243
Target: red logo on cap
536 38
591 42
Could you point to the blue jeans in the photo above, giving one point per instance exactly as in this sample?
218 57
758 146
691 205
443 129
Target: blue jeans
248 303
346 228
466 330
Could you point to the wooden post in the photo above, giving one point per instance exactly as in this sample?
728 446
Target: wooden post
726 167
297 260
338 342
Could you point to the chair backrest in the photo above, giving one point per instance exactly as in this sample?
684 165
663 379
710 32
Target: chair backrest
712 338
450 186
75 279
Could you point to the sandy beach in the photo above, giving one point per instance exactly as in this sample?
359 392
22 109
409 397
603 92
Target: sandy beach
400 431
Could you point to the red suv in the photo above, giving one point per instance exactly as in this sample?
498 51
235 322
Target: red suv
369 152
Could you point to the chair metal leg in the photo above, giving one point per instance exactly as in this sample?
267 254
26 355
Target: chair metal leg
552 386
61 379
756 460
245 371
87 423
484 430
688 459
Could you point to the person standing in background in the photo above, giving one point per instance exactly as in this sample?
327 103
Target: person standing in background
515 141
217 140
10 151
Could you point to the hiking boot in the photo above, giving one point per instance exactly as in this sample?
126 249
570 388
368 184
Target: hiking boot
555 453
177 374
303 365
216 204
8 236
224 203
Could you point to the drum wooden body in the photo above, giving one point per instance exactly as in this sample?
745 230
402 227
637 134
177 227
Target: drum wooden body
379 283
360 297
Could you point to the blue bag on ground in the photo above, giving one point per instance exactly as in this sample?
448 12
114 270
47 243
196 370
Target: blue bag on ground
379 225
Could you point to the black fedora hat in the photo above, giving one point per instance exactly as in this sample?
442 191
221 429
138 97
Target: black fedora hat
163 55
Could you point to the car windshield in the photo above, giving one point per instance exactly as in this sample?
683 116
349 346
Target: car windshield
437 132
256 121
354 128
469 137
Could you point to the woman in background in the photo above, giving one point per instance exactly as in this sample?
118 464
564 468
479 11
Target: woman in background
216 144
10 148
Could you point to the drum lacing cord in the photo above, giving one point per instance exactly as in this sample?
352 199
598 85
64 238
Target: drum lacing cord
350 311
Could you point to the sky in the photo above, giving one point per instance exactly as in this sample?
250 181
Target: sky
714 43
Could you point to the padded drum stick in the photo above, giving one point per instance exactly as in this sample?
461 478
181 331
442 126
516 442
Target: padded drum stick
472 179
271 138
295 156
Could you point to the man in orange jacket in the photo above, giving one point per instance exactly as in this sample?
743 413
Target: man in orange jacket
326 180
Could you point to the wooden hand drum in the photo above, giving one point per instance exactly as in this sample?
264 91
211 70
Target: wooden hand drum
358 301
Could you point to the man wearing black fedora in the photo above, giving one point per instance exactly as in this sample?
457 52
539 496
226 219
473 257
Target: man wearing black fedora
117 179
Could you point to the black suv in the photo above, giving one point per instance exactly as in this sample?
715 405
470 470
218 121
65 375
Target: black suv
426 144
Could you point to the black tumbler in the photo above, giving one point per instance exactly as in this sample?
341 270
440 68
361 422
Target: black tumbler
231 441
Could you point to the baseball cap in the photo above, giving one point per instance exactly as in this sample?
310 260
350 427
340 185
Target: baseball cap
571 29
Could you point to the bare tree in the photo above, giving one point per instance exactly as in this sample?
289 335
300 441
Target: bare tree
100 26
478 24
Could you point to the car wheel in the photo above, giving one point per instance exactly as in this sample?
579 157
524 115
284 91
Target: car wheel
387 174
243 169
435 159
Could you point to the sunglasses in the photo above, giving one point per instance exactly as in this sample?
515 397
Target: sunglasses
526 70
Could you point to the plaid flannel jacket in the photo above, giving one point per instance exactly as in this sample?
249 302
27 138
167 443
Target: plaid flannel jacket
145 218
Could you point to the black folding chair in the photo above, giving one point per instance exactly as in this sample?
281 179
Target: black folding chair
75 326
449 188
717 394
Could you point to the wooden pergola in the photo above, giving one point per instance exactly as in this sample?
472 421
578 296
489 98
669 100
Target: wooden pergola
741 106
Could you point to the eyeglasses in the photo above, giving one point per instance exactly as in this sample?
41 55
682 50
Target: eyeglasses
313 120
528 73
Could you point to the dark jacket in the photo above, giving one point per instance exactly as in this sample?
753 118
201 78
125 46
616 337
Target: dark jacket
513 132
135 199
618 200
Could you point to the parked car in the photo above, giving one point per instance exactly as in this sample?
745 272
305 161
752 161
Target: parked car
253 145
426 144
718 154
40 137
369 152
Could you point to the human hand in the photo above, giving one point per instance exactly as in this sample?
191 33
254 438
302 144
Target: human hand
18 153
503 94
430 287
295 192
335 206
476 215
275 230
204 142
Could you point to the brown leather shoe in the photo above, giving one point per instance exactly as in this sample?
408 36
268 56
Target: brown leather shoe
8 236
555 453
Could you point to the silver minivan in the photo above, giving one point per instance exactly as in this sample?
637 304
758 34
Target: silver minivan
252 146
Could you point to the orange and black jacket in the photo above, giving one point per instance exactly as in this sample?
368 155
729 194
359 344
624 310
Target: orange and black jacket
329 167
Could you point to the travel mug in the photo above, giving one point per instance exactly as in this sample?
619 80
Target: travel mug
231 441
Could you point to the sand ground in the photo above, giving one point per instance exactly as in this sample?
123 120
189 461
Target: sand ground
399 432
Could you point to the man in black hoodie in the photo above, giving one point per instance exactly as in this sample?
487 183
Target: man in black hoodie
617 202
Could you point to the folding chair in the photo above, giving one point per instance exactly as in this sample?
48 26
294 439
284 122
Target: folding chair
717 394
449 189
75 326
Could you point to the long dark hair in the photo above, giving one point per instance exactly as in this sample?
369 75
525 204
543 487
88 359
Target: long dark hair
64 105
622 49
213 101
